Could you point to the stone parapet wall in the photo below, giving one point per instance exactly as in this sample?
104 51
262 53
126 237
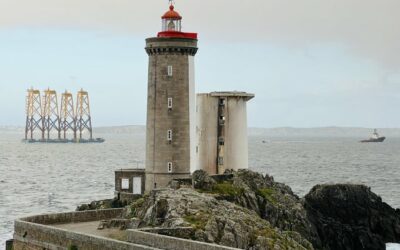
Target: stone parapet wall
36 232
71 217
30 236
170 243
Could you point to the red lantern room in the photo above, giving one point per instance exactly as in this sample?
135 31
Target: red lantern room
172 26
171 20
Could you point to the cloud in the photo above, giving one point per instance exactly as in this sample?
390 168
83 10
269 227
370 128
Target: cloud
366 28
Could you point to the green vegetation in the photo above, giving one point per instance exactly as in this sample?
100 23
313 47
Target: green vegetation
72 247
268 194
135 205
268 233
226 189
284 240
198 221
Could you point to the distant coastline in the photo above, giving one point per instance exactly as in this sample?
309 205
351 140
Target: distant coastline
329 132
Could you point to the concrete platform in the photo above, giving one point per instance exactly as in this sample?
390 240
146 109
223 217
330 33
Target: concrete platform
91 229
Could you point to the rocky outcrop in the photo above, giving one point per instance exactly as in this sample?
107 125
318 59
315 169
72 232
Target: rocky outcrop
214 221
245 209
272 201
201 180
351 217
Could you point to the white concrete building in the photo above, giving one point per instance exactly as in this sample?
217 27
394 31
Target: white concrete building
222 131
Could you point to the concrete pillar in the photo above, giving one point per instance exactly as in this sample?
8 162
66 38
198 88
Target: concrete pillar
222 131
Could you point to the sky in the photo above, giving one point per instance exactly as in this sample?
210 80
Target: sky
310 63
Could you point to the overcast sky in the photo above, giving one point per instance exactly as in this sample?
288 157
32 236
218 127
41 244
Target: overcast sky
310 62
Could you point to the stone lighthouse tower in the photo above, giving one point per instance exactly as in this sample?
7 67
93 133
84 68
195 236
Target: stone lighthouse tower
170 131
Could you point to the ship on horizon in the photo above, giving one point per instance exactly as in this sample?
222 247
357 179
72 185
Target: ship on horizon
375 137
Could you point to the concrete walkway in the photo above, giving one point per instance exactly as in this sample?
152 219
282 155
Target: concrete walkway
90 228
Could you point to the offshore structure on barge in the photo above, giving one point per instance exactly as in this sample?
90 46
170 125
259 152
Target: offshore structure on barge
43 115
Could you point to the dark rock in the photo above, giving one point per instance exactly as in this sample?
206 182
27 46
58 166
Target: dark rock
102 204
201 180
351 217
174 184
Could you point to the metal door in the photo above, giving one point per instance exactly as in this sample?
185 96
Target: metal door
137 185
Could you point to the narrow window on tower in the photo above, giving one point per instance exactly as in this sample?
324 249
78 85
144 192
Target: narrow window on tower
169 135
221 141
169 165
169 70
222 120
170 103
220 160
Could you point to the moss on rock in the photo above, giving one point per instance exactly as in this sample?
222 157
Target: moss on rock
198 220
268 194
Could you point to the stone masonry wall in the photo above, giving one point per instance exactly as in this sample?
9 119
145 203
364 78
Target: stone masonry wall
164 52
71 217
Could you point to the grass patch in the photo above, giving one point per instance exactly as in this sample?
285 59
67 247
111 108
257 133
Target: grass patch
268 194
198 221
267 232
226 189
135 205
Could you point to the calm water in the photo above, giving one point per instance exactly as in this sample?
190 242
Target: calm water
54 178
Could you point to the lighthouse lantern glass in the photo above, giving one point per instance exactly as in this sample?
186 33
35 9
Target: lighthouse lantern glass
171 25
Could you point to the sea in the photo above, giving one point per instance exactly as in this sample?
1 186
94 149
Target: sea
48 178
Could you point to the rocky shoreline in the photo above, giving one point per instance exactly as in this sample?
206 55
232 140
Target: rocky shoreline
247 210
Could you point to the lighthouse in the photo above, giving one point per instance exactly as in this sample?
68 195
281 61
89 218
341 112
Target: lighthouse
170 127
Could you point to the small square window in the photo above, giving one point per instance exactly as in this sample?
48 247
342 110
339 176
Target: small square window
169 135
169 165
169 70
124 184
221 102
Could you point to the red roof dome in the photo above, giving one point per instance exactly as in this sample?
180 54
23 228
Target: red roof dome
171 14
